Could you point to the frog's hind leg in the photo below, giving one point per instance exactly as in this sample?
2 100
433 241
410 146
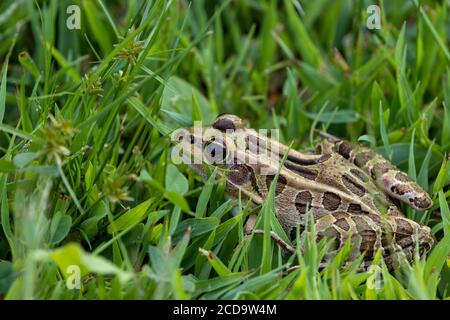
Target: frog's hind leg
387 176
396 237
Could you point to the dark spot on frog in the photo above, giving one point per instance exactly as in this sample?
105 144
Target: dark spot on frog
400 189
331 201
344 149
353 186
343 224
369 238
307 161
421 202
359 174
361 224
239 174
403 230
309 174
281 183
302 200
355 208
400 176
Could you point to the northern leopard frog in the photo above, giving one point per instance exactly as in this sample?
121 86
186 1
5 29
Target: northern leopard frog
348 189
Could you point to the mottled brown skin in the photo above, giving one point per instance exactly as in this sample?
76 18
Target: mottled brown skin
348 190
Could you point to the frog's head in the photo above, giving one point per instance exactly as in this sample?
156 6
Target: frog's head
225 145
219 144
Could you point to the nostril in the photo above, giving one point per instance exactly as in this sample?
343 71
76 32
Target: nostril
191 139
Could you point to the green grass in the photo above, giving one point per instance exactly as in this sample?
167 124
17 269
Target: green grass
85 117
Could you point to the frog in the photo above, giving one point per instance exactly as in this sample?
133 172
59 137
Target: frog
349 191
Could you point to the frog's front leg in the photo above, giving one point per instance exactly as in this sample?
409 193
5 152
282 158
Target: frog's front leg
249 228
387 176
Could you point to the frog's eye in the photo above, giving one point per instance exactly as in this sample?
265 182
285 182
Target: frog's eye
215 152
